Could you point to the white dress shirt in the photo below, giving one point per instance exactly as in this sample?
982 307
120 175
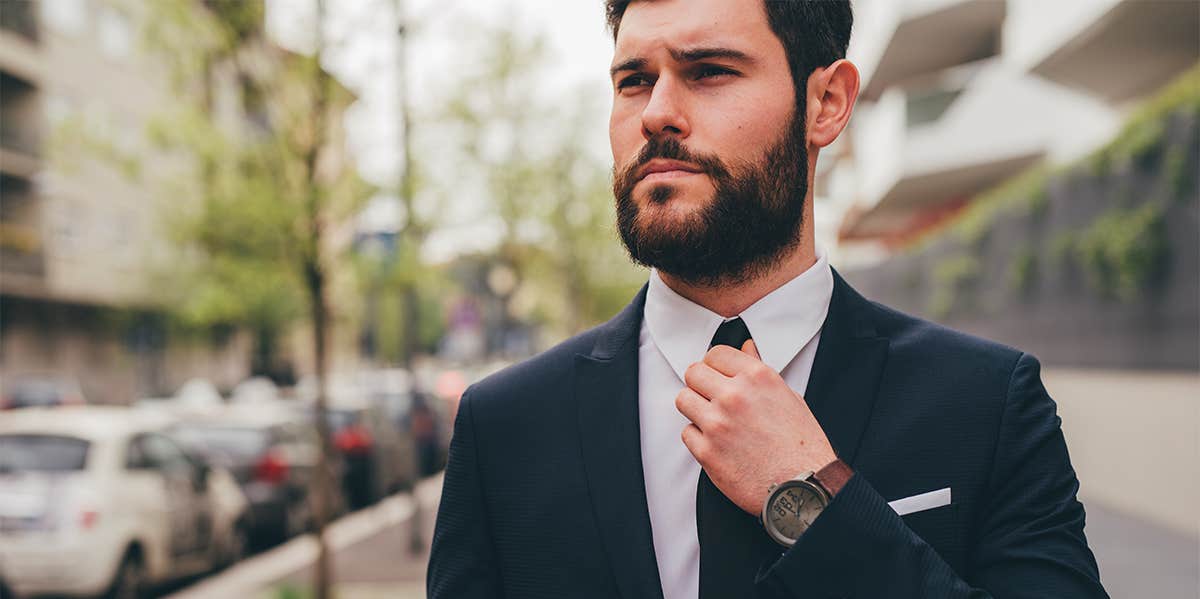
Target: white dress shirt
786 327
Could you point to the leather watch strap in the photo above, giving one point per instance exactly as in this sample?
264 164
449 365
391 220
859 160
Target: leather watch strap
834 476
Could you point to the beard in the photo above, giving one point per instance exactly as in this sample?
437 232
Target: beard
752 221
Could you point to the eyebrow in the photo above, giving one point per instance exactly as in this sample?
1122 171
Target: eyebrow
685 55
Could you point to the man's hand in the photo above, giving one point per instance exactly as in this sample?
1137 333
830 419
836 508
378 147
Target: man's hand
749 429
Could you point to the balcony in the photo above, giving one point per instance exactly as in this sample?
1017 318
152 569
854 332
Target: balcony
924 153
21 248
20 119
898 40
18 17
1125 52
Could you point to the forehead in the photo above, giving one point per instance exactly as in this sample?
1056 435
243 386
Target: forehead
650 25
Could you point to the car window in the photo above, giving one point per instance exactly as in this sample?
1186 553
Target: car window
232 441
135 459
339 419
35 393
163 454
42 453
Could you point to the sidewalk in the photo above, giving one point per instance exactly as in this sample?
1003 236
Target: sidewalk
373 556
383 563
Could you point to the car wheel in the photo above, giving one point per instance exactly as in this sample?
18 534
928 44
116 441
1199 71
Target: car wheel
130 582
294 520
239 540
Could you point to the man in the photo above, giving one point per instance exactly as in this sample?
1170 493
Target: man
824 446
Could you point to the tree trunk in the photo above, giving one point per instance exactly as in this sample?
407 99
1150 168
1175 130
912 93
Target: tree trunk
317 283
324 483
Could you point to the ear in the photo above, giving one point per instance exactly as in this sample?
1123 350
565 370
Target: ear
832 91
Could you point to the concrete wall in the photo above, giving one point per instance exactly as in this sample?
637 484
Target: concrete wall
1060 316
1134 439
115 360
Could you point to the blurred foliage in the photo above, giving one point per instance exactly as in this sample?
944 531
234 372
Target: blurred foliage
951 279
1023 271
1122 250
257 188
551 197
289 591
1141 137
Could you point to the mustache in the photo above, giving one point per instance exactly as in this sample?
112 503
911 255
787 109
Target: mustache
668 148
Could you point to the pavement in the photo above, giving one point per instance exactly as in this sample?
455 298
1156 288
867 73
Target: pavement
1139 558
375 555
375 558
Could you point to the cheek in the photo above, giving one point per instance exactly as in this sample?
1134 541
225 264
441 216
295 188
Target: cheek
748 125
624 134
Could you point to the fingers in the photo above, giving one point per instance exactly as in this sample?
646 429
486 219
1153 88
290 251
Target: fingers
705 380
729 361
694 407
751 348
694 440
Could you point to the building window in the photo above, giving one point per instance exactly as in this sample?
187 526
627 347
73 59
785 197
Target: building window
18 18
927 106
59 109
116 36
65 16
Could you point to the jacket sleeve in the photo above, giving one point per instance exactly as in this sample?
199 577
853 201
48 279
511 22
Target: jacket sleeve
1028 539
462 562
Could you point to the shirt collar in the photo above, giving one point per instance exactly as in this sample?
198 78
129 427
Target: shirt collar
781 322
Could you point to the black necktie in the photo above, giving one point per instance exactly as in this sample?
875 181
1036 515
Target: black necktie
733 543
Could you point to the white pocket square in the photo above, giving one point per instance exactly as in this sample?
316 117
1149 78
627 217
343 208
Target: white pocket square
922 502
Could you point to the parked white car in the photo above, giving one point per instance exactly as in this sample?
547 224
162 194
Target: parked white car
98 500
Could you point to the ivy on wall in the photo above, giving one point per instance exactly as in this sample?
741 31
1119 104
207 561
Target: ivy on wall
1123 250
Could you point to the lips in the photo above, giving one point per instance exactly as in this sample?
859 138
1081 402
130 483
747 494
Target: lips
669 167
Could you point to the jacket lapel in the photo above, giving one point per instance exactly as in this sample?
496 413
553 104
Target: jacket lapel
606 392
846 371
841 393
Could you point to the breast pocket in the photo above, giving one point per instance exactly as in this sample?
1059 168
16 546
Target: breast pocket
942 528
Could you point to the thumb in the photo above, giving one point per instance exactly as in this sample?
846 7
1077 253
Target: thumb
749 348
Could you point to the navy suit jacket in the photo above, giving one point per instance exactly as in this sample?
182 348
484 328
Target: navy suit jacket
544 494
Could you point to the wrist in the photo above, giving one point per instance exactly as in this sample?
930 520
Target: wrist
833 476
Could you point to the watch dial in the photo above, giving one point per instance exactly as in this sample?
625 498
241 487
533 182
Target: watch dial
794 509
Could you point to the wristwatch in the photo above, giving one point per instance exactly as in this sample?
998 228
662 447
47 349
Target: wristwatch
793 505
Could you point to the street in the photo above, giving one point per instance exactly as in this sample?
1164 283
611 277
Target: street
373 557
372 549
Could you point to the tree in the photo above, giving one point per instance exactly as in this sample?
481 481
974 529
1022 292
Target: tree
551 196
269 191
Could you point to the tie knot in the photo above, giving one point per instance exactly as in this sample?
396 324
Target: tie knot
732 333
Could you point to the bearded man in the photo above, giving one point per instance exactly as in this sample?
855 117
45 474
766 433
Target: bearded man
749 426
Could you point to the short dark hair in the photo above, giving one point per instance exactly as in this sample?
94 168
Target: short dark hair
814 33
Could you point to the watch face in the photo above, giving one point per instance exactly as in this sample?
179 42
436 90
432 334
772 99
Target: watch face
792 510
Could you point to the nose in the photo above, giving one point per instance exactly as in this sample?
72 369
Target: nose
664 113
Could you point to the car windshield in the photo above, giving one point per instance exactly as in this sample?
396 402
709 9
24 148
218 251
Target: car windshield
42 453
35 393
223 440
339 419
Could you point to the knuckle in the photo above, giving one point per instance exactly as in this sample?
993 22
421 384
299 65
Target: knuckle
719 425
735 400
760 373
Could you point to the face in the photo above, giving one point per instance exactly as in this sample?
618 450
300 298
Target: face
708 144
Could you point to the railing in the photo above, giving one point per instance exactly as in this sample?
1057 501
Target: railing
18 17
21 250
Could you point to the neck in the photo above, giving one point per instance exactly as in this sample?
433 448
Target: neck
733 299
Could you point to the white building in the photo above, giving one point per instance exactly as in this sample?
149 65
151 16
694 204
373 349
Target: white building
960 95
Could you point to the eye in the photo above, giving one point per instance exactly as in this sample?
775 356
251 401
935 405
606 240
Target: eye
635 80
711 71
